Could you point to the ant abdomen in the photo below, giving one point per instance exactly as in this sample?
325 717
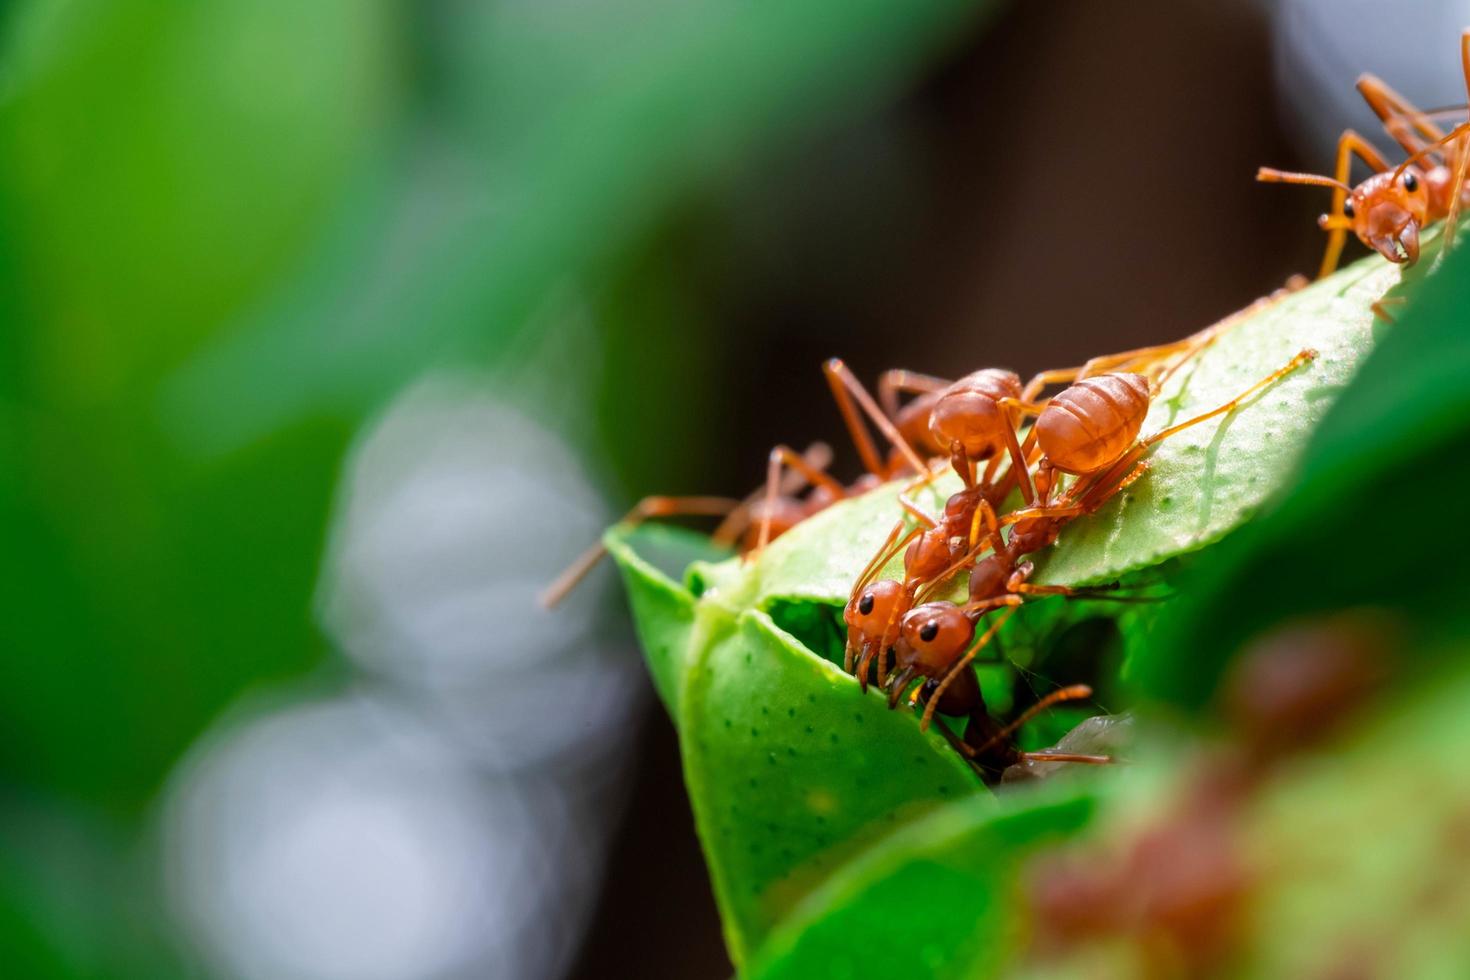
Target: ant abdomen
1090 424
969 414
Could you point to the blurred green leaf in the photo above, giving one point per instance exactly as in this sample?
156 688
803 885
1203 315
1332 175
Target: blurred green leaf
586 136
160 165
1362 852
934 899
1351 856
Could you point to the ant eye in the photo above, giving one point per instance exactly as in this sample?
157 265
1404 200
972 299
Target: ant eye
865 604
1347 209
1411 183
929 632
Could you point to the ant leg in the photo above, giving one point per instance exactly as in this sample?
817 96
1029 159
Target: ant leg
1380 307
962 664
646 508
818 456
1075 692
1347 145
958 744
1395 111
1139 358
911 506
1045 379
1017 584
916 512
984 606
1336 220
893 383
1462 170
1053 511
1301 358
984 515
846 389
1013 446
1461 156
1204 338
1087 496
1048 756
1104 363
780 458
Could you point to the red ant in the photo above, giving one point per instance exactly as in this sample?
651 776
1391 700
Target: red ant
1088 431
976 418
763 514
925 648
1388 210
775 509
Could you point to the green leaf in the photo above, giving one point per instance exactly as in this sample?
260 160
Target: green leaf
934 899
1211 478
160 165
662 611
1367 521
789 769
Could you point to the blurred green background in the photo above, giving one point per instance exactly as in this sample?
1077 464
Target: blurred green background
238 237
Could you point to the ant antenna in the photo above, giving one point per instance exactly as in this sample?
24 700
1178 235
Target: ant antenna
1076 692
1458 132
647 507
1270 175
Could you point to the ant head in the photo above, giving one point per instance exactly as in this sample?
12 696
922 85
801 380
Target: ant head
873 608
931 638
872 620
967 415
1387 210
